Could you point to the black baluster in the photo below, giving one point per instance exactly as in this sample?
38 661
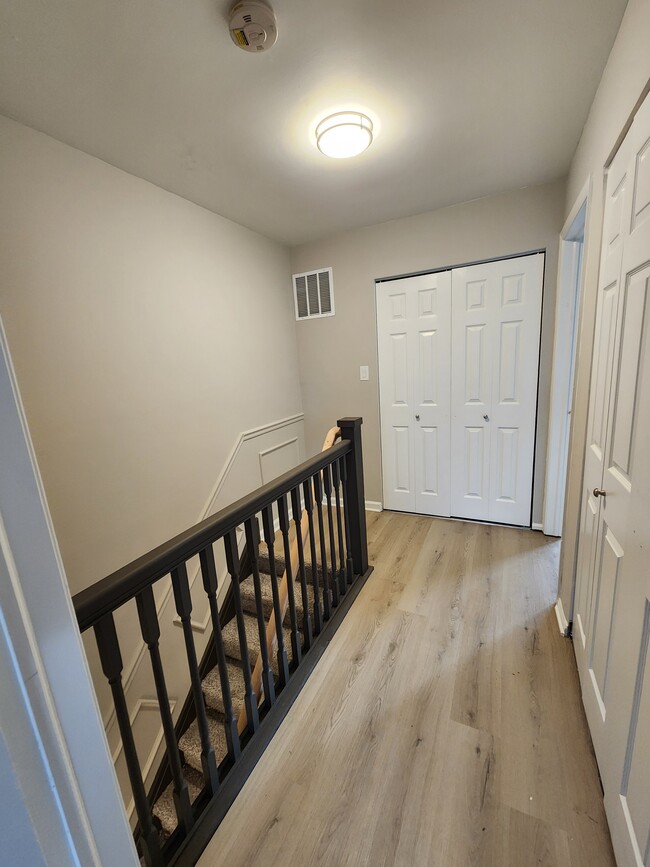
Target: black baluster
318 498
346 522
356 510
250 699
210 584
111 660
269 534
151 633
184 608
296 512
253 544
327 485
283 515
309 507
336 476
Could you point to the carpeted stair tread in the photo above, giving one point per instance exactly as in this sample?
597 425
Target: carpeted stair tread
190 743
248 598
265 566
164 808
212 688
231 641
194 778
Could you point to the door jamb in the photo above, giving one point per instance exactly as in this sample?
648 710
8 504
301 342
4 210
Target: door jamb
570 286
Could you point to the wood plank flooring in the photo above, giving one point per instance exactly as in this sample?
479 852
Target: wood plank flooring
442 727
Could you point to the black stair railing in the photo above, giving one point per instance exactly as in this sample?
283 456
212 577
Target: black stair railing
332 566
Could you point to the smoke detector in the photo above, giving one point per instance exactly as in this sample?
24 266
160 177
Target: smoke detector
253 26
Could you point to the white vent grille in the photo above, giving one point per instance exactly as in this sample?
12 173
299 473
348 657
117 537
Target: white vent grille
313 294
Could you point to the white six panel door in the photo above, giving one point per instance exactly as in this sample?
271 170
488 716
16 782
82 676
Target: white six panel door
413 324
496 308
613 582
601 378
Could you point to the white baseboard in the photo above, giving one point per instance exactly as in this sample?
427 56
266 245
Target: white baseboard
371 505
563 623
536 526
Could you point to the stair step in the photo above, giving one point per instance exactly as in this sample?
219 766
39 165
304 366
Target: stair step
230 635
231 641
212 688
194 778
190 743
248 598
164 808
265 566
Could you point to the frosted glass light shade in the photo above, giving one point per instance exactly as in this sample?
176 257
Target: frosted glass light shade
344 134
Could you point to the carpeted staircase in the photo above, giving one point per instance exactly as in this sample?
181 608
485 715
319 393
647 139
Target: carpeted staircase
190 742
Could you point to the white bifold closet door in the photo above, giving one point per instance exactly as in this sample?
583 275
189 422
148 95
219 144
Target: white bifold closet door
458 363
496 308
413 318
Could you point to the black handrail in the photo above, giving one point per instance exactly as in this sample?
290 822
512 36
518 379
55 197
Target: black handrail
111 592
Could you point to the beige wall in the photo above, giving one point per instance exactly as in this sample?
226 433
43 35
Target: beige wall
331 349
626 75
147 333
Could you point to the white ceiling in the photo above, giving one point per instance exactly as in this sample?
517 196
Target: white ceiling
470 97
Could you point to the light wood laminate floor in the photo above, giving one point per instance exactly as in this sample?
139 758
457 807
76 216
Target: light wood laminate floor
442 727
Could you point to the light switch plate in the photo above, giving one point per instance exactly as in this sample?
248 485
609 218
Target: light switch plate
364 373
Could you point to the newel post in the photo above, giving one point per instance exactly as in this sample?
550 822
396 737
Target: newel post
356 501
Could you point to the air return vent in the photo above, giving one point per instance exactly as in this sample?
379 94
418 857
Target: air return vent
313 294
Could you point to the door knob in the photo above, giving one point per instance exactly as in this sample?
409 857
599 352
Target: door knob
486 417
599 493
417 418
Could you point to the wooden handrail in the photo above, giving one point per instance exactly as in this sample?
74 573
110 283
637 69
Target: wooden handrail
283 593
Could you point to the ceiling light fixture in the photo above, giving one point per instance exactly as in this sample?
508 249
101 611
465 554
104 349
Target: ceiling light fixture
344 134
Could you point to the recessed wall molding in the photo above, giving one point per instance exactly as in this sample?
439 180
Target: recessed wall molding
244 437
269 469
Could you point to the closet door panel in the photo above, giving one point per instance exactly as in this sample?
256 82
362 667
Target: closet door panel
471 391
516 313
496 308
394 312
413 323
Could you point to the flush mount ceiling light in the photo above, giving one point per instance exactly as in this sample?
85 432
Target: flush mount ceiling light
344 134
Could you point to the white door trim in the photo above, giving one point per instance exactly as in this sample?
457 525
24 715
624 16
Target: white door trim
48 655
567 313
